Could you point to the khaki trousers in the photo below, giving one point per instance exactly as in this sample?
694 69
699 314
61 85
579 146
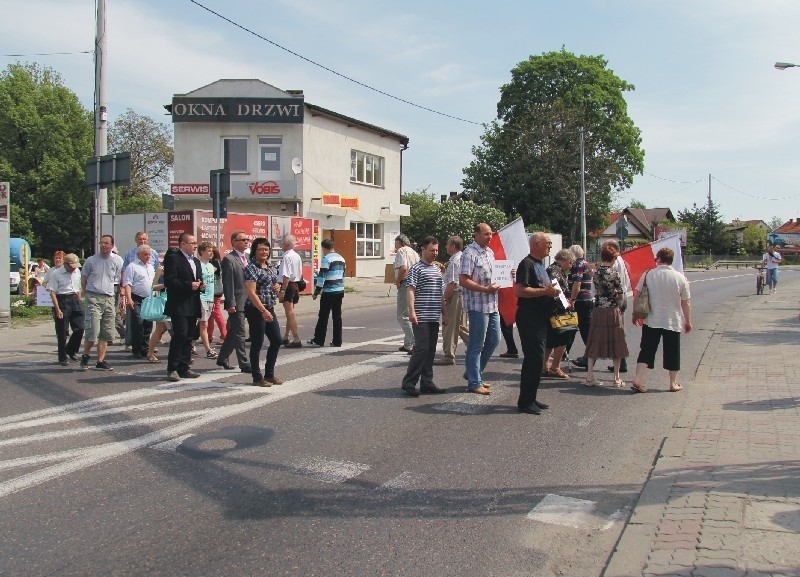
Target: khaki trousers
456 326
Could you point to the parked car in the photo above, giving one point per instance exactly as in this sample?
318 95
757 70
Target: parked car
14 279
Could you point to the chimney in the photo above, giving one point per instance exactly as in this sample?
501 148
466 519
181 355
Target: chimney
453 194
444 197
295 92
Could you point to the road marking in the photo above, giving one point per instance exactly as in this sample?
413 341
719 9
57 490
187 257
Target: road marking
466 404
89 414
720 278
102 453
402 482
586 420
566 511
172 444
328 471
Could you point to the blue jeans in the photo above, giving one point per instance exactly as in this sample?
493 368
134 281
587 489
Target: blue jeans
772 277
484 335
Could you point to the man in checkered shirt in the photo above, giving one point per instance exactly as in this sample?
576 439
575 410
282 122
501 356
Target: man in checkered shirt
480 302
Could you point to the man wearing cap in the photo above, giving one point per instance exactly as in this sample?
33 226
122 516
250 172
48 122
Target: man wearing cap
64 284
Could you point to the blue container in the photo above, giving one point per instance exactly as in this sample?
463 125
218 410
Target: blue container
15 248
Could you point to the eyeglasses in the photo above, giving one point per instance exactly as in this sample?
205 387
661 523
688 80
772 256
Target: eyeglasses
187 242
241 239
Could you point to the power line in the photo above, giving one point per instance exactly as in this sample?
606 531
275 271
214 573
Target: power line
671 180
44 54
332 71
753 195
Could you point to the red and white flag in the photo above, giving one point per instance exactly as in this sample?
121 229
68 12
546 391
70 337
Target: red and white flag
509 243
642 258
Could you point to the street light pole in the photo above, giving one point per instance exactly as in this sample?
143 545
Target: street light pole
785 65
583 196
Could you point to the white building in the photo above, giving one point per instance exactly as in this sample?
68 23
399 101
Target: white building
291 158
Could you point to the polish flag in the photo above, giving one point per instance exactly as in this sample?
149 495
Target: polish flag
642 258
509 243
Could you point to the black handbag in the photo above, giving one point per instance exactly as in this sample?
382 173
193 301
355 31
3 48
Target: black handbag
301 284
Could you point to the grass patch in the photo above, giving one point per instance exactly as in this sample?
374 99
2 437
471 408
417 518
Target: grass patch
25 311
350 289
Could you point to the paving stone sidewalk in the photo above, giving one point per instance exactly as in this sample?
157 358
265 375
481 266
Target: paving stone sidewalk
724 496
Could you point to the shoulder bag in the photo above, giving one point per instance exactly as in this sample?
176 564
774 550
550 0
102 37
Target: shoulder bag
641 305
153 307
564 322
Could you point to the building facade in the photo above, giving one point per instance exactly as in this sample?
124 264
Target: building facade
290 158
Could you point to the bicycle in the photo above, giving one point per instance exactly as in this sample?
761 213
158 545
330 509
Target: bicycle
760 279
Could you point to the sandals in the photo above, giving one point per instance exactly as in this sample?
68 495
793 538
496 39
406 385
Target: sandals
638 388
618 383
153 359
675 388
593 383
211 354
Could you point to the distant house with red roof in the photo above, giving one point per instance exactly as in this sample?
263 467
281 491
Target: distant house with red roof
737 228
787 236
642 224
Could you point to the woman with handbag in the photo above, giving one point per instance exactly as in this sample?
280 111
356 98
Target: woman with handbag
216 309
558 340
261 284
159 327
667 313
606 333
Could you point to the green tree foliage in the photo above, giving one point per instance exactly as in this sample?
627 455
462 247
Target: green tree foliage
528 161
445 219
775 222
637 204
152 155
707 229
459 217
45 139
754 240
422 221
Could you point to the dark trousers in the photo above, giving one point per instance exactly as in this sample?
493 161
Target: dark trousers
649 346
420 365
329 303
259 328
140 329
533 336
234 340
584 310
180 347
508 336
72 310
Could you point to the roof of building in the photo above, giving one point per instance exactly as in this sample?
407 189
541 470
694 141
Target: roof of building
644 219
741 224
793 226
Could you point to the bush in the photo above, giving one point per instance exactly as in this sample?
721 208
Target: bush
26 308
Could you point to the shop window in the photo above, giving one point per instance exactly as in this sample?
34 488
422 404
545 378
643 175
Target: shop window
366 168
368 238
234 154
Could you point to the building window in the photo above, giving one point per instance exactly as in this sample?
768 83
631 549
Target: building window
269 154
368 238
234 154
366 168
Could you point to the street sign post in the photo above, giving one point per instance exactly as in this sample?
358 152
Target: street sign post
104 171
220 190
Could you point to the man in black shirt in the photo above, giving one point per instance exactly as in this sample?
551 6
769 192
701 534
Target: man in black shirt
535 306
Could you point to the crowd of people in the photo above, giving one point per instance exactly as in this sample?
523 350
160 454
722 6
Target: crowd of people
195 281
461 297
465 300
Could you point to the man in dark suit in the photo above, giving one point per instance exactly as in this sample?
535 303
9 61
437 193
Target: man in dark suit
235 298
183 280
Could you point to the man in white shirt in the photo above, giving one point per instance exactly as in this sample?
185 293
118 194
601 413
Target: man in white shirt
405 258
289 272
772 258
137 285
64 284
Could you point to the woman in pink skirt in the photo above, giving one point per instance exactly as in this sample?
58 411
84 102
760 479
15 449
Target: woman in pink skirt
606 333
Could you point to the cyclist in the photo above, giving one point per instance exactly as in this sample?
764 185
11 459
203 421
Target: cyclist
772 259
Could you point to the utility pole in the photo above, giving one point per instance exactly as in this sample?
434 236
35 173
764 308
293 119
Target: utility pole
583 196
100 113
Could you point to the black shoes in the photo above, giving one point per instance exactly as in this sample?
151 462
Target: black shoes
432 390
405 349
580 362
64 363
247 370
224 364
314 343
333 345
531 409
72 357
294 345
621 369
189 375
541 405
509 355
411 391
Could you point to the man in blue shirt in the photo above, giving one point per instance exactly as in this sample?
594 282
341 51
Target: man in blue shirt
330 282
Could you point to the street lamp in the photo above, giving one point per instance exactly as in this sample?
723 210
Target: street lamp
784 65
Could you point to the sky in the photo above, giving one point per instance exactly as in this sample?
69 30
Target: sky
707 98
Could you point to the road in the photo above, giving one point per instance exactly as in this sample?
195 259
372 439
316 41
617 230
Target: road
332 473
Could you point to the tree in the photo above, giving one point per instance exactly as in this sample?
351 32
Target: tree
459 217
754 240
152 155
45 138
775 222
528 161
707 228
637 204
422 221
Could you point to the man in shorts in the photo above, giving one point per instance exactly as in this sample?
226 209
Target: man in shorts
99 275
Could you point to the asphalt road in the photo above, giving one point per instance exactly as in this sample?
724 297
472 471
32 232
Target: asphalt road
332 473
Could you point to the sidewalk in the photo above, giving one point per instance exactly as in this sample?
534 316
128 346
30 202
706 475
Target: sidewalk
724 496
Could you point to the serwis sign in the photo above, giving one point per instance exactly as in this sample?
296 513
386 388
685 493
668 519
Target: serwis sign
266 110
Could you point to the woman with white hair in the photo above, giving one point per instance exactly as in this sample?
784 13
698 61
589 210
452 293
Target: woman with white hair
580 281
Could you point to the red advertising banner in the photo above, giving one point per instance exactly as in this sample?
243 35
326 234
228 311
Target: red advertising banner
254 225
179 221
